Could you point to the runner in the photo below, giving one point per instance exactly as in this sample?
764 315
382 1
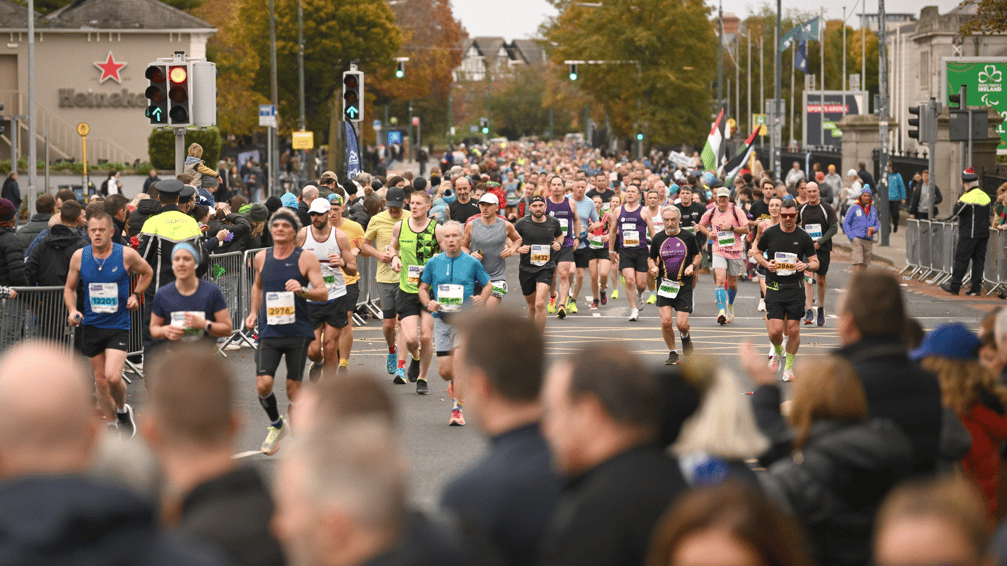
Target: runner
819 220
564 211
674 258
452 277
379 237
631 225
587 213
608 207
286 278
600 264
541 237
414 241
790 247
329 316
102 269
774 219
724 223
189 309
355 233
491 240
654 206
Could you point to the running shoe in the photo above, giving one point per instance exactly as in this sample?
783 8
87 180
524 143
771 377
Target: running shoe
687 346
615 294
272 442
640 302
634 314
722 317
457 418
672 358
551 307
422 388
571 306
788 374
127 425
774 362
821 316
730 313
390 364
604 298
400 376
652 299
762 305
315 372
769 356
810 318
594 304
414 370
343 369
561 312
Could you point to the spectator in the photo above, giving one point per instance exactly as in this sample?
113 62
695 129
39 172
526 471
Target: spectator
149 182
49 439
11 191
239 225
973 212
194 166
308 194
192 429
11 251
896 195
851 195
727 524
144 210
866 177
843 462
897 389
860 224
111 185
49 261
794 175
831 186
259 237
511 494
917 198
117 207
45 207
603 439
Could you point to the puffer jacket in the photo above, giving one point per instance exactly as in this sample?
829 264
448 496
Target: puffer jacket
33 228
835 483
144 210
11 258
858 220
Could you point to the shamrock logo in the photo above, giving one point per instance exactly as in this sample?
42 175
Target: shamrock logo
990 73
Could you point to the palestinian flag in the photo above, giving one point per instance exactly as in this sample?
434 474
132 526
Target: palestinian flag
735 165
714 148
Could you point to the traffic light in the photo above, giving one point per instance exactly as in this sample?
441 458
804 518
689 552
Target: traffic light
914 122
179 101
484 124
353 96
157 94
400 69
639 137
573 71
959 99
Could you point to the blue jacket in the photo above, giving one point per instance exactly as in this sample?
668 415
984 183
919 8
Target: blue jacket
896 188
858 220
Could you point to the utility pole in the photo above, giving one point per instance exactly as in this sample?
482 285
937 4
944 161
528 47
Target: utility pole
777 90
720 55
274 151
32 126
882 179
300 78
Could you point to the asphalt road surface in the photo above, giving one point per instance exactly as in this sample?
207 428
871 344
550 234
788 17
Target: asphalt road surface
437 452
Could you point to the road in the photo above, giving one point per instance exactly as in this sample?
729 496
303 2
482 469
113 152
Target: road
437 452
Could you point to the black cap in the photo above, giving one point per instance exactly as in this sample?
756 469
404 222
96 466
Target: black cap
395 197
536 198
169 186
186 193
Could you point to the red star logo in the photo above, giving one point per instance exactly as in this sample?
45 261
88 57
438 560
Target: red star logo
109 69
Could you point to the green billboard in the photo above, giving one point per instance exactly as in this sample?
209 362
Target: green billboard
984 78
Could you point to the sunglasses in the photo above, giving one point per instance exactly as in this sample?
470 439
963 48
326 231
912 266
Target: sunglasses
791 215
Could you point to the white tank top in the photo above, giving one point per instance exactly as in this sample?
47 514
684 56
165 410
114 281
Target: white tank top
333 276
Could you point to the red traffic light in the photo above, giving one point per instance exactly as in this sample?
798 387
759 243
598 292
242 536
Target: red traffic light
178 75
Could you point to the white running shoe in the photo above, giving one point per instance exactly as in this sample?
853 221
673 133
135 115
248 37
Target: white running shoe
774 362
634 314
730 313
640 303
772 350
762 305
788 374
272 442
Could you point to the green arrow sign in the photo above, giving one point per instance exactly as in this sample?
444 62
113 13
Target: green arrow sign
157 113
352 112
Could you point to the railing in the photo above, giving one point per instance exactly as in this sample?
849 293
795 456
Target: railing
35 313
930 255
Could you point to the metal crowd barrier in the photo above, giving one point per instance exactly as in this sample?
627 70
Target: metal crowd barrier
930 255
991 268
227 272
912 247
36 313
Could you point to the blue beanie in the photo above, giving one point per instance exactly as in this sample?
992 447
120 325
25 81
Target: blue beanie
289 200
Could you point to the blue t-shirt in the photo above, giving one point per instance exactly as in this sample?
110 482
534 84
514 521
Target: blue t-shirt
207 300
588 214
463 270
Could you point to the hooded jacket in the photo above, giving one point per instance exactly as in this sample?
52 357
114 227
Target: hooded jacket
988 429
33 228
49 261
973 211
11 258
859 219
144 210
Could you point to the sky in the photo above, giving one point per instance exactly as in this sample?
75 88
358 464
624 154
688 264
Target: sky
517 19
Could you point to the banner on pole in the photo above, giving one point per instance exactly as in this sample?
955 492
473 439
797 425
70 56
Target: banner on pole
352 152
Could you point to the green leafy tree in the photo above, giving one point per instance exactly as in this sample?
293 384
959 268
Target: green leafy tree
520 106
161 146
991 17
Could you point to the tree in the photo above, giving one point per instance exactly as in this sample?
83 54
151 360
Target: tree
660 63
990 18
161 146
520 106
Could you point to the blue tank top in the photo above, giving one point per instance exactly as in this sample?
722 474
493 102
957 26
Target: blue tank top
632 222
562 213
276 302
106 289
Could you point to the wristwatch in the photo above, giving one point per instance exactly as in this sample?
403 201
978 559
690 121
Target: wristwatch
139 295
208 324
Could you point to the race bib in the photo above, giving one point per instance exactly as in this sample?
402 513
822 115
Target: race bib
786 263
631 238
725 238
413 274
669 289
451 297
328 276
539 254
814 230
563 225
499 289
605 207
594 241
191 334
280 308
104 297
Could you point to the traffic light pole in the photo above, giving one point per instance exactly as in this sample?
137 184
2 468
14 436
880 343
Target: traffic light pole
179 150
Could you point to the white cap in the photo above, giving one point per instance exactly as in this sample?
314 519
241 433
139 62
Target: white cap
724 192
319 206
851 173
489 198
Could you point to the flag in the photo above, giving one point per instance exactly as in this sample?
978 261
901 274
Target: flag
735 165
807 31
801 57
714 144
352 155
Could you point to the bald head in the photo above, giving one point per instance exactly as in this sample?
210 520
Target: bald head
309 193
48 424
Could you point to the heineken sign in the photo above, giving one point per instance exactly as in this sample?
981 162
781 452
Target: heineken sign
70 98
984 77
